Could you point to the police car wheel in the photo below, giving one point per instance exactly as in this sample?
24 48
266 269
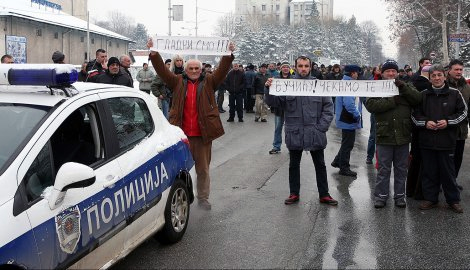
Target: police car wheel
176 214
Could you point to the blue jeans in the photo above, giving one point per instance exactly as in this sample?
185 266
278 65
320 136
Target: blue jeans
165 107
371 143
278 124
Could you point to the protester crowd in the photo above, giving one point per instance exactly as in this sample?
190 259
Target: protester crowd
419 133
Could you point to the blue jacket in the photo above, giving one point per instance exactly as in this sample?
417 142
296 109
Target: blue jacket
307 119
352 106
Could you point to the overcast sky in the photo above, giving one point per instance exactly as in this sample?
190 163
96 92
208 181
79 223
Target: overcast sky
154 14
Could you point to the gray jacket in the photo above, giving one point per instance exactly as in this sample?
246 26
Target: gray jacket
307 119
145 78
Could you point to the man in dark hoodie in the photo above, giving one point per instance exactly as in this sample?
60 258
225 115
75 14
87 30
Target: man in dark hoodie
114 75
235 85
97 66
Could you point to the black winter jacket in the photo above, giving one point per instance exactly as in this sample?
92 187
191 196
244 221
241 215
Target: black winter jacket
259 83
235 81
446 103
120 78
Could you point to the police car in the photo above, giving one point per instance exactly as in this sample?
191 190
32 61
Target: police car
87 171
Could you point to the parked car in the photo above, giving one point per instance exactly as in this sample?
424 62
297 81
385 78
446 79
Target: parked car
88 171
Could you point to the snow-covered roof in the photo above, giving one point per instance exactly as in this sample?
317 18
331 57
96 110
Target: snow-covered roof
24 9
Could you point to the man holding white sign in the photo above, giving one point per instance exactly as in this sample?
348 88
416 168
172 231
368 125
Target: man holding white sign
393 136
195 111
307 119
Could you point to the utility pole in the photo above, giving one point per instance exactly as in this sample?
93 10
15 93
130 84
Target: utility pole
196 18
88 35
169 17
457 44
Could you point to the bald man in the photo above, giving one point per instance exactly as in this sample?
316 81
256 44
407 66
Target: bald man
195 111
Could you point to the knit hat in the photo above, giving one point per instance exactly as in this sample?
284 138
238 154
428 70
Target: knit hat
425 68
390 64
167 61
285 63
113 60
58 57
352 68
250 66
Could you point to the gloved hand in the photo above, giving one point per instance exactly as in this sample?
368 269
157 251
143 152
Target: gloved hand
399 83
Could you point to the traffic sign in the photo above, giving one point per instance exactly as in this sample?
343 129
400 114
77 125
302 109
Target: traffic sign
458 37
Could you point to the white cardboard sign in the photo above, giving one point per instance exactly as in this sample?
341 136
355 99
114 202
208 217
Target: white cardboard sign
355 88
191 45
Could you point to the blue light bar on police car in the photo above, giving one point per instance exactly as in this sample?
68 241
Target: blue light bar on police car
37 74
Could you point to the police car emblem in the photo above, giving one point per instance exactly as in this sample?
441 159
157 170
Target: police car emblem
67 225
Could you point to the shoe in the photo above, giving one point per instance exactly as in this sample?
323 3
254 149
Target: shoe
400 203
334 164
240 120
256 119
328 200
426 205
347 172
221 111
459 187
379 204
264 120
250 111
292 199
368 161
204 204
230 119
274 151
456 208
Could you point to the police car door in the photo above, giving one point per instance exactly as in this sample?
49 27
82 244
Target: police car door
133 125
88 216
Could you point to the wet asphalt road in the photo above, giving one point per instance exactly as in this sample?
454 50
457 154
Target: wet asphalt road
250 227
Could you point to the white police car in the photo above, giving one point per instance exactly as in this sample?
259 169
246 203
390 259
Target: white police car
87 171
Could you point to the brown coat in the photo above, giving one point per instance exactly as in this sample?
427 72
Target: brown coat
208 112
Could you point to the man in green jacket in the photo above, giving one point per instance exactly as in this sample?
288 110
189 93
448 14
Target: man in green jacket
393 135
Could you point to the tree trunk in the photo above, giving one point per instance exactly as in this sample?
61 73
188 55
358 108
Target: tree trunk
445 49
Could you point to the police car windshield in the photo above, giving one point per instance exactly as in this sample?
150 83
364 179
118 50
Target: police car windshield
17 122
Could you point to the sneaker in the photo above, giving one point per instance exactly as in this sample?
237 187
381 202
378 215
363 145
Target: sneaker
230 119
400 203
264 120
204 204
240 119
456 208
368 161
292 199
379 204
274 151
328 200
347 172
426 205
334 164
256 119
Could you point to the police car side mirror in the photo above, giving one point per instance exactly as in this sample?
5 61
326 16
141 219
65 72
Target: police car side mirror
70 175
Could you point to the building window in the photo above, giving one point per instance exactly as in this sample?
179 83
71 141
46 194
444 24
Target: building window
263 8
117 44
86 56
296 7
277 17
254 9
278 7
92 41
38 32
110 44
82 39
56 35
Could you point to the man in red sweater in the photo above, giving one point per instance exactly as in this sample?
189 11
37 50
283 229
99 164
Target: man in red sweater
195 111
